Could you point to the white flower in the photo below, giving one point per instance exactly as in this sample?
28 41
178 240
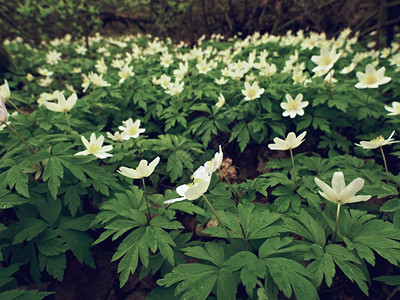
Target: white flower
394 110
252 92
5 91
195 189
348 69
221 101
377 142
80 49
164 81
325 61
371 78
95 147
290 142
116 137
175 88
62 105
97 80
213 164
221 81
130 129
3 112
125 72
143 170
45 82
101 66
53 57
293 107
339 192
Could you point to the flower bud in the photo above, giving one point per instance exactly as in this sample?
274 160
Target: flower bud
3 112
4 91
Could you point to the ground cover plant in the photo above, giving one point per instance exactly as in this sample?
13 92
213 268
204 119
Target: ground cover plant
282 151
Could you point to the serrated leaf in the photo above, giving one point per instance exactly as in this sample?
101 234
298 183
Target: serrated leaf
79 243
53 172
16 178
26 229
55 265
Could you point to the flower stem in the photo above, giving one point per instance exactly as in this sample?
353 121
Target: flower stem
21 138
15 107
69 124
337 222
366 100
219 220
294 169
147 201
386 168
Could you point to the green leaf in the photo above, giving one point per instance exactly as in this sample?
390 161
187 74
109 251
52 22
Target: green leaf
72 199
15 177
213 252
26 229
49 244
53 172
79 243
251 267
322 266
48 208
196 280
55 265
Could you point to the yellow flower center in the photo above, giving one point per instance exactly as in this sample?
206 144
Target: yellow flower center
292 105
370 79
133 131
326 60
251 93
378 139
94 148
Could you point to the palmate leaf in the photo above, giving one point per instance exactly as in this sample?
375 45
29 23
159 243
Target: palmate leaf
251 268
53 172
322 266
351 266
286 273
24 295
196 281
55 265
367 235
16 178
24 230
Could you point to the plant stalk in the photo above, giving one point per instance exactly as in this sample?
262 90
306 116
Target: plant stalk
384 162
15 107
21 138
147 202
69 124
236 198
294 169
337 222
366 100
219 220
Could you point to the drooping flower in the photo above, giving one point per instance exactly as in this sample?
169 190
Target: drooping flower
339 192
62 105
195 189
290 142
221 101
372 78
144 169
3 112
116 137
252 92
377 142
95 147
394 109
5 91
294 107
131 129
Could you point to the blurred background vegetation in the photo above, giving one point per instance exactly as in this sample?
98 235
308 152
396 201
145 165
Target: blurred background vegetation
37 20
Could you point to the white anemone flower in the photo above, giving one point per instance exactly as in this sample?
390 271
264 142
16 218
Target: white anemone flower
290 142
214 164
62 105
195 189
221 101
5 91
144 169
377 142
294 107
95 147
325 60
252 92
394 109
372 78
339 192
131 129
